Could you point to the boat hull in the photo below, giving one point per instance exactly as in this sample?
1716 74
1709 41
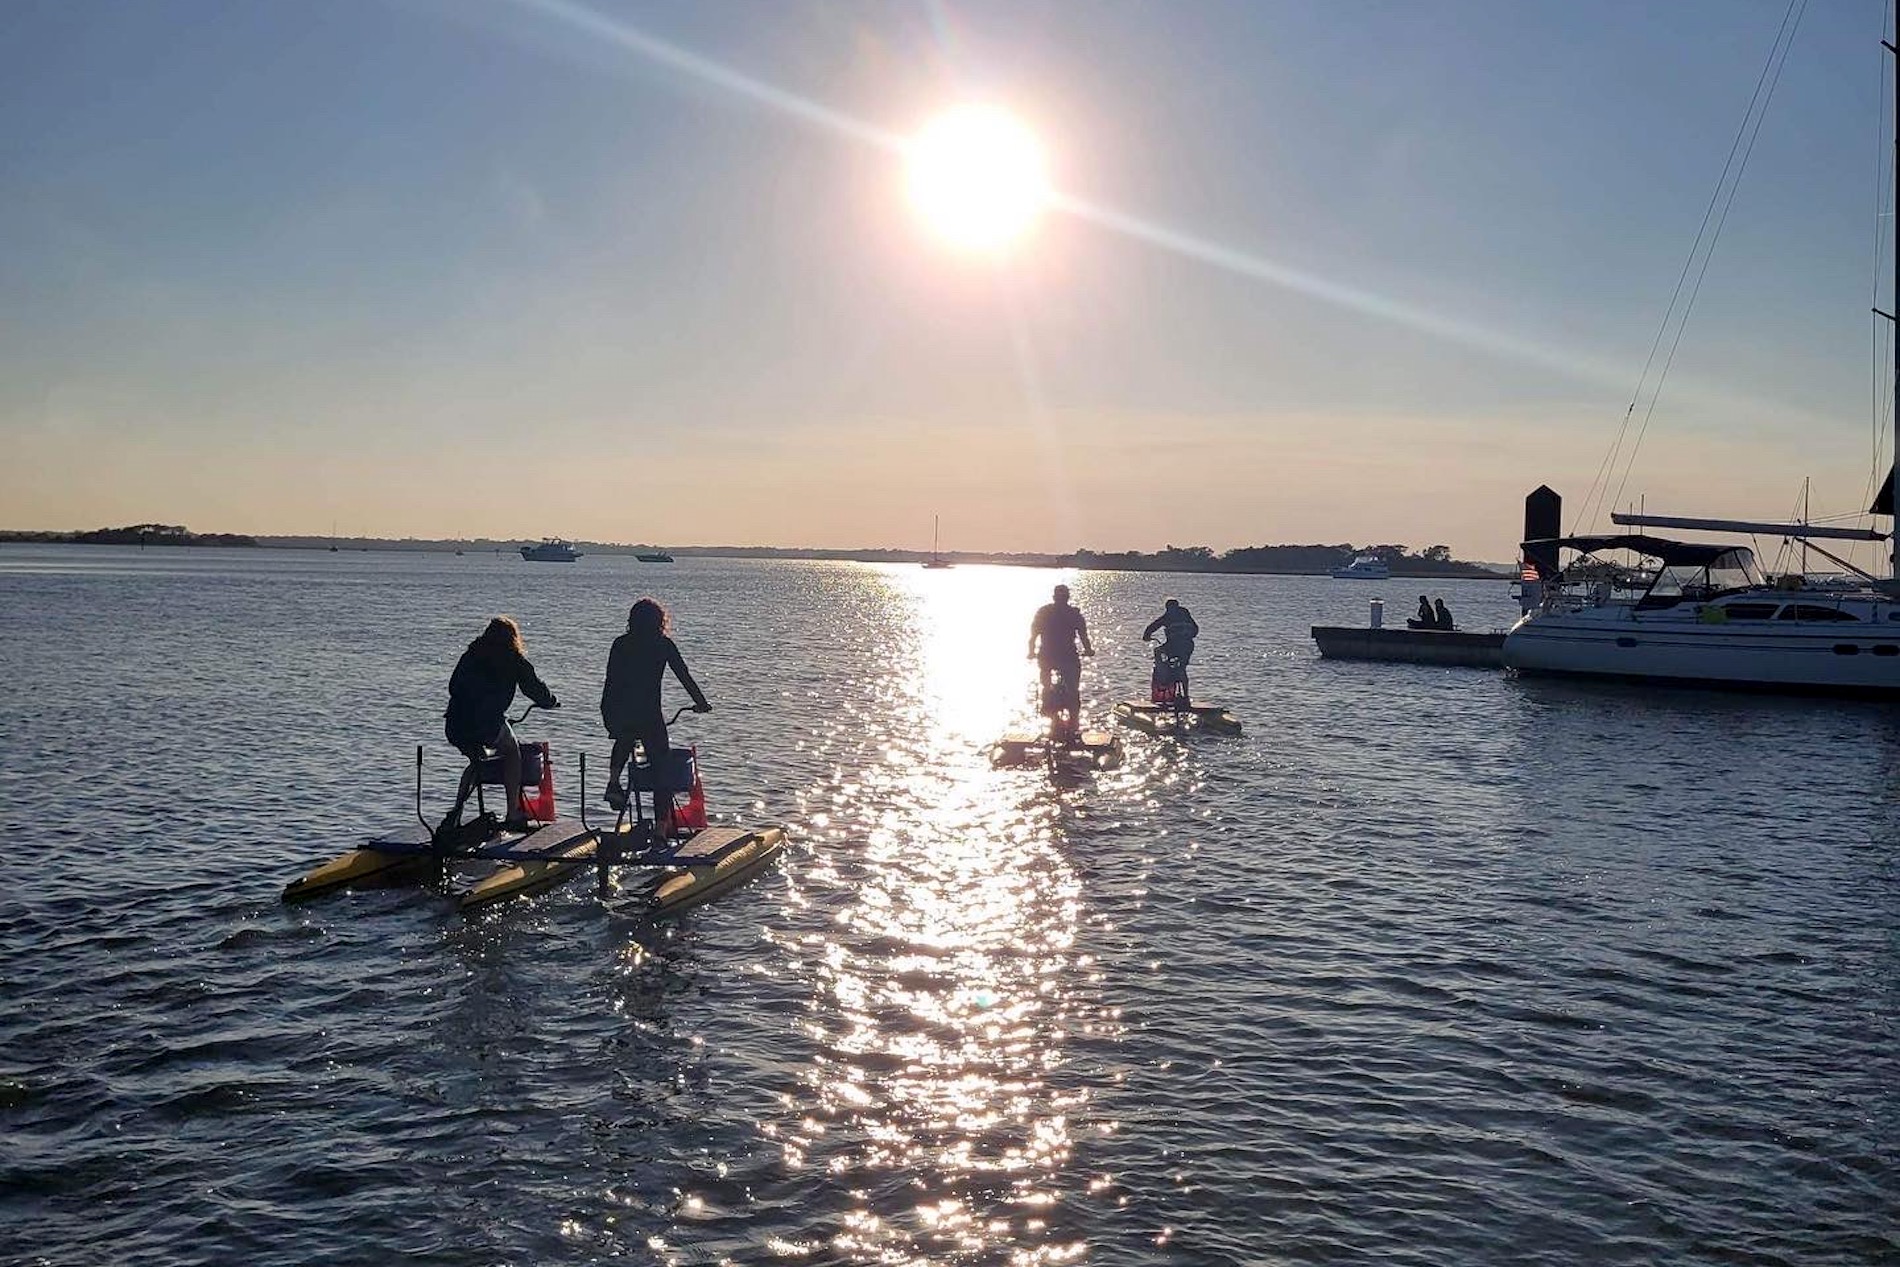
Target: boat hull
359 869
525 879
366 869
1850 658
1091 750
688 887
1157 719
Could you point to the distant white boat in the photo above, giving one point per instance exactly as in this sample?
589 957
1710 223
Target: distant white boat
551 550
1367 567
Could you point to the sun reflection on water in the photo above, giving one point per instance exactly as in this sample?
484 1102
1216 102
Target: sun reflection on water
970 630
936 1103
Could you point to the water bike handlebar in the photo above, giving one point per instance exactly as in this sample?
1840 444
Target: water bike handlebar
516 721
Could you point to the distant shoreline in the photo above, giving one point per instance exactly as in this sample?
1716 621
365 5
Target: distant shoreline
170 536
1412 567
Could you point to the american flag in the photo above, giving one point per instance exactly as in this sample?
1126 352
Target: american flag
1529 573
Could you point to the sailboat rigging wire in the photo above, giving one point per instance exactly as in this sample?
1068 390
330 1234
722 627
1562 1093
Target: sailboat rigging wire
1757 109
1682 325
1882 399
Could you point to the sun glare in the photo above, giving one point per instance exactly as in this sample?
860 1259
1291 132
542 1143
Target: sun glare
977 177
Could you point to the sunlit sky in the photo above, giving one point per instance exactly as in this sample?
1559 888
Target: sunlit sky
1319 270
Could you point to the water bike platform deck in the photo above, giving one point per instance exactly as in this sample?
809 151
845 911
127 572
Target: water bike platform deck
1177 718
1412 646
709 860
1095 748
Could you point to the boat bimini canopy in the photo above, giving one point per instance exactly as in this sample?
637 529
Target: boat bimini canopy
1689 569
1672 553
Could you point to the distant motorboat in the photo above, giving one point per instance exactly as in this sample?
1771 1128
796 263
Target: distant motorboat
1367 567
658 556
551 550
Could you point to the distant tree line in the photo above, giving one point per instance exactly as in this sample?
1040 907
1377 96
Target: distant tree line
1285 559
135 535
1294 559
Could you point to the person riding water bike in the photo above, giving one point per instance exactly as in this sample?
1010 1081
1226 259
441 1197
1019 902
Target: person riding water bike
630 701
1178 632
480 692
1053 636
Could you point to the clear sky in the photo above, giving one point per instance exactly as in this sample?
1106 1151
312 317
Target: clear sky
1348 270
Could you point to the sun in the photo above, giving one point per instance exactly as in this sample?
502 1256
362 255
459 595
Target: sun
977 177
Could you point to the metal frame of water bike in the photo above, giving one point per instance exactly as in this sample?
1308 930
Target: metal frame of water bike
651 845
461 801
1071 695
1180 702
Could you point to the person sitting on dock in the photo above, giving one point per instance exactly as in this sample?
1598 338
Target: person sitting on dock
630 701
1053 636
1426 618
1178 632
480 692
1441 617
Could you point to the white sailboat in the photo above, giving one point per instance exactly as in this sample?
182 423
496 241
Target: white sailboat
1707 616
936 560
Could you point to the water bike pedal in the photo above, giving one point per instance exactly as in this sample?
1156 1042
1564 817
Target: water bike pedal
479 830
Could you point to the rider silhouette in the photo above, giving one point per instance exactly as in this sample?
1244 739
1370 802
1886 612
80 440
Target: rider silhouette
1178 630
1053 636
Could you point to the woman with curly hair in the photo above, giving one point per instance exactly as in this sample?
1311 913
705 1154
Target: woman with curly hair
630 700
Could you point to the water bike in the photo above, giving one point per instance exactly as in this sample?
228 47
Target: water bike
1168 707
1064 747
684 861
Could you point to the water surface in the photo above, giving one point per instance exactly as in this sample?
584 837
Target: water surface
1431 966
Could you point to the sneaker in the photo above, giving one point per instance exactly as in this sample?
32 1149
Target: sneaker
518 823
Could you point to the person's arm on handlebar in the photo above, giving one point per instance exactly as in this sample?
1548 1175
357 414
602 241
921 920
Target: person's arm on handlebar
532 686
678 662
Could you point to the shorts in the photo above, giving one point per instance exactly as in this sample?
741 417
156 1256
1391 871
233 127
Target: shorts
476 741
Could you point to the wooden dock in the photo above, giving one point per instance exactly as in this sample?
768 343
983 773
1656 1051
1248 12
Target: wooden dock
1412 646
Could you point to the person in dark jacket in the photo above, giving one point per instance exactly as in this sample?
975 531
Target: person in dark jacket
1425 619
480 692
630 700
1442 616
1178 632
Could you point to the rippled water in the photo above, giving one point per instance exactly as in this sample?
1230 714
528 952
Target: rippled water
1432 966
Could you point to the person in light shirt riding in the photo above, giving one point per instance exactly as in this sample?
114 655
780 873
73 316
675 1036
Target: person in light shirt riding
1054 637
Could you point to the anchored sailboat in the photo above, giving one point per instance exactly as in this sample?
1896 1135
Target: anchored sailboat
1706 615
936 560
